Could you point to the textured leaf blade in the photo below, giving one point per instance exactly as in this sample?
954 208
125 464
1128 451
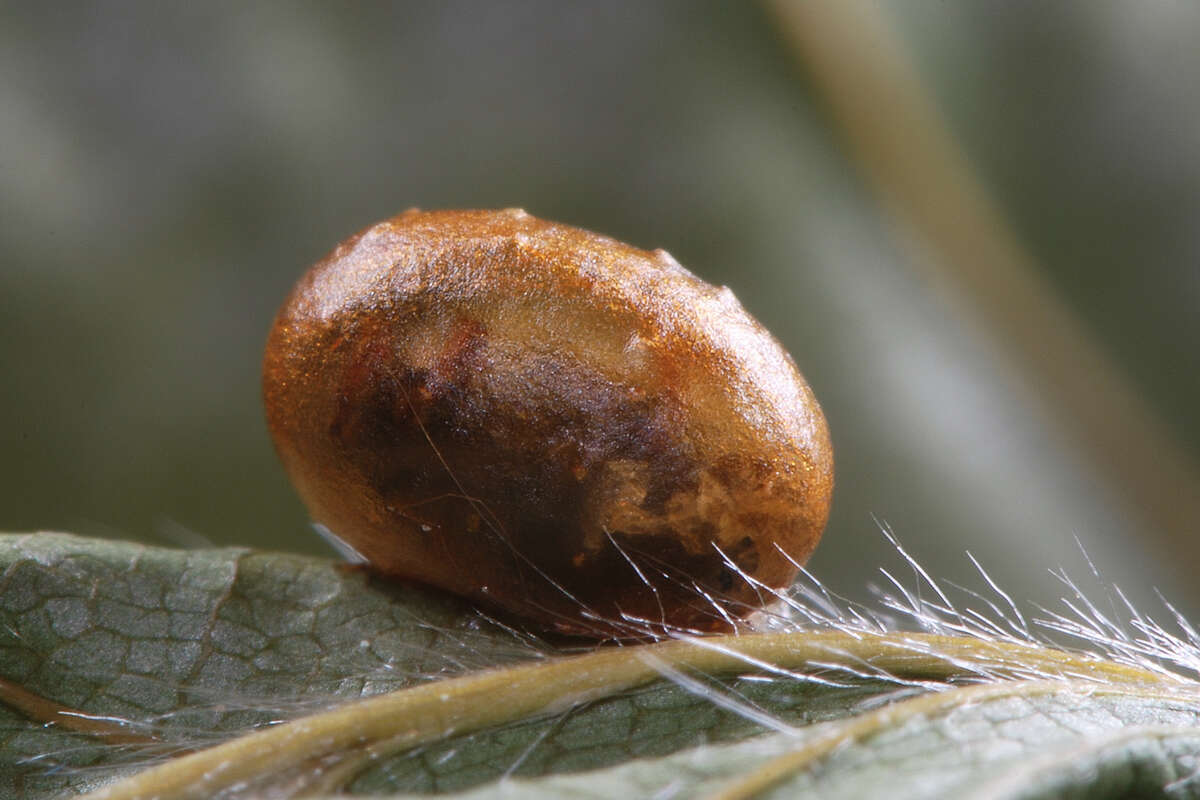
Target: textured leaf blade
195 647
205 643
1041 746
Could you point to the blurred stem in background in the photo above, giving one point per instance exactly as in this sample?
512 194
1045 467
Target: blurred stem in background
908 156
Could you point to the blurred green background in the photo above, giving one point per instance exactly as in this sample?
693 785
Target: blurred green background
167 171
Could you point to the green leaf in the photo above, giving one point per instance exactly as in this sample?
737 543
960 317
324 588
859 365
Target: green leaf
202 644
168 653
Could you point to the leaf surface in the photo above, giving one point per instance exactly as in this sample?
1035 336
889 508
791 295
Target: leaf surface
166 652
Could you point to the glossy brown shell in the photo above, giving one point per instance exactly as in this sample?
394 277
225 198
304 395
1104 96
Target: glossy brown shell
546 421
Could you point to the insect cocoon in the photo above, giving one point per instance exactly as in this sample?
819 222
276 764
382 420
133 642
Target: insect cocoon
546 421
